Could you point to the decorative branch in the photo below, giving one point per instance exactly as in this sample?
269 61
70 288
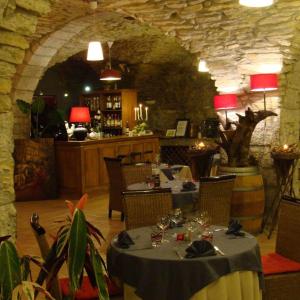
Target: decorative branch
236 142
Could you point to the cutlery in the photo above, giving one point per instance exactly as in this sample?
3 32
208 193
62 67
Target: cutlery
219 251
178 254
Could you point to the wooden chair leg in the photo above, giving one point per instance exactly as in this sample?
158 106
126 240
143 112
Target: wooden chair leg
122 217
109 213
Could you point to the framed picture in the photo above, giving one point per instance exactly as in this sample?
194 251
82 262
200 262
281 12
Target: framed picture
181 127
171 133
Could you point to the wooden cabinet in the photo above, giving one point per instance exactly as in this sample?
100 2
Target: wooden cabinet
116 107
81 167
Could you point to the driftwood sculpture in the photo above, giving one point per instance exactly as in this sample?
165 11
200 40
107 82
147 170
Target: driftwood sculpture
236 142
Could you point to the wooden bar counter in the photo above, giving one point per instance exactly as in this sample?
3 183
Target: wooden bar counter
80 165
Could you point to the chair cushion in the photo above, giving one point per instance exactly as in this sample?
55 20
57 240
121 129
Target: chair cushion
87 291
274 263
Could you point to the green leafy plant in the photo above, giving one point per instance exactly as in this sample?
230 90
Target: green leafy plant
15 276
75 246
43 117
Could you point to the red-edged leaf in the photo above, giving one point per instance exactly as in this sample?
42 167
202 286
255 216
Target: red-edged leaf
77 248
81 203
70 206
95 229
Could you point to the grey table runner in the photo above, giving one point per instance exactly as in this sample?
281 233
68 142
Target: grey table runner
158 273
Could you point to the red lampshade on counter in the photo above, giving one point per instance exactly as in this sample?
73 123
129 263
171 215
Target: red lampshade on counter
263 82
225 101
80 115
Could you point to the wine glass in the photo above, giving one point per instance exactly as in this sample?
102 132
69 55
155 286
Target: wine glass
163 223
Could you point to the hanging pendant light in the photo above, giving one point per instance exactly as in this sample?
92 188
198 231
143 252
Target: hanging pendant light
256 3
110 74
95 52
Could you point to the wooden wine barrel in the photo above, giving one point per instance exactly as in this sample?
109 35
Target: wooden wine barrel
248 197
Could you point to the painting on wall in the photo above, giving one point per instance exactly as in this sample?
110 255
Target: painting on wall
34 174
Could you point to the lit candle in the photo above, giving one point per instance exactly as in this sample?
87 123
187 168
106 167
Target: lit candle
146 110
141 112
135 114
285 147
201 145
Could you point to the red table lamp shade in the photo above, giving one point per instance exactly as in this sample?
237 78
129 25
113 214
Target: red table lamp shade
263 82
225 101
110 75
80 115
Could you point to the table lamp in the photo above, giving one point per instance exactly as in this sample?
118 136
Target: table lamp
225 102
80 115
263 83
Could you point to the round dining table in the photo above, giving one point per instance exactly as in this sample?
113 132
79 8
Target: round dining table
163 273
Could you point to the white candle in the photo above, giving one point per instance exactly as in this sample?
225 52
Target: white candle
141 112
285 147
135 116
146 110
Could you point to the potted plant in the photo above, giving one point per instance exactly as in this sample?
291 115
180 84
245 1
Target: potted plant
46 119
74 244
15 276
34 158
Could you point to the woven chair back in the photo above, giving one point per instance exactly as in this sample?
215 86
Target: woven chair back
215 197
142 208
116 182
287 243
136 173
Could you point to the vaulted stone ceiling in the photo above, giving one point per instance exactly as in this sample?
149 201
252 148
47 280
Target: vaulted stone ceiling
236 41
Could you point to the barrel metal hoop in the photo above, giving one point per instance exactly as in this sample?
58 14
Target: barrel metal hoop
250 189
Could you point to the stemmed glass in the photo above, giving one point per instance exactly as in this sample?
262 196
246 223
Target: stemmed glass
163 223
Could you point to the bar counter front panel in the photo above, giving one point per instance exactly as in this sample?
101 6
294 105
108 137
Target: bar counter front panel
80 165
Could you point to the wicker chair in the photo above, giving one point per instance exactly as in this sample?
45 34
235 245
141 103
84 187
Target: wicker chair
215 197
142 208
116 185
285 286
136 173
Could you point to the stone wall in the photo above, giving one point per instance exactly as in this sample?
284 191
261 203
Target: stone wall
18 19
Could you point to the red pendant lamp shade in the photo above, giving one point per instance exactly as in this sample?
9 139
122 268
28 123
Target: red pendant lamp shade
263 82
110 74
80 115
225 101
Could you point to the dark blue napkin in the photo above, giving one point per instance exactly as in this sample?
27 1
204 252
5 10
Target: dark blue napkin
124 240
234 227
188 186
200 249
168 173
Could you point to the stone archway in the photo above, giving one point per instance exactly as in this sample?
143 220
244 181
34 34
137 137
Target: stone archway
235 41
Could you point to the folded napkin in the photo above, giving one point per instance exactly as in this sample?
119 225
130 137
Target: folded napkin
234 227
176 168
188 186
168 173
124 240
200 249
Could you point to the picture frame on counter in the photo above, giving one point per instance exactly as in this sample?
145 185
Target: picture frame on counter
182 127
170 132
